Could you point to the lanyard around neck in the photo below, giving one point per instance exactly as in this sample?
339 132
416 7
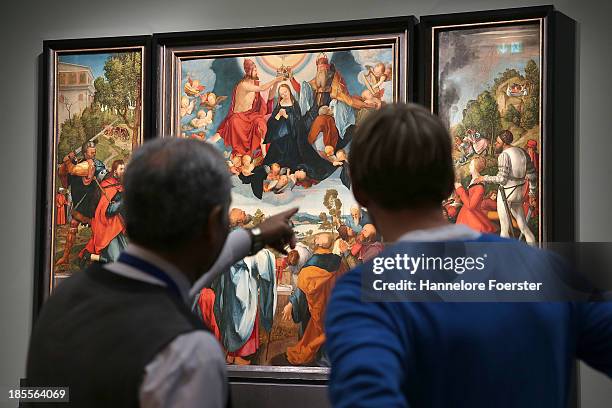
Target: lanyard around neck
151 270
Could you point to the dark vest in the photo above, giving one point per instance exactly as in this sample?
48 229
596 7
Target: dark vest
98 331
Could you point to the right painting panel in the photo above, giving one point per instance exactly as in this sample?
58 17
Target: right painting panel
487 90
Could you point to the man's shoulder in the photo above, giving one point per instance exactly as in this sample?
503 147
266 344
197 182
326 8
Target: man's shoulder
197 348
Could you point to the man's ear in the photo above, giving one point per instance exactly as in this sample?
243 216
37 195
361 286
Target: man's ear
216 222
361 197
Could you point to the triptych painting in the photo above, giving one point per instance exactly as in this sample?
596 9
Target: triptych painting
282 105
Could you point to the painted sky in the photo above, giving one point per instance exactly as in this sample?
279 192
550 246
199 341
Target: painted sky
95 61
469 61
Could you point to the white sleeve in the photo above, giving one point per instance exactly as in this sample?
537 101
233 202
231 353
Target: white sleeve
189 372
237 246
503 170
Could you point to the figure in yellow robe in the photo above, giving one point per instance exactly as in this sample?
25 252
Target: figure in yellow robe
316 281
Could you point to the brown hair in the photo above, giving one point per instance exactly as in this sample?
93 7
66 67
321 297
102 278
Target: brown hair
506 136
290 93
293 257
401 158
116 165
343 232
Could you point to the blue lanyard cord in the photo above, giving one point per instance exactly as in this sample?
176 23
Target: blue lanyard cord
150 269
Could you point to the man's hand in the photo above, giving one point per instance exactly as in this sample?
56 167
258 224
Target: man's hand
277 230
287 311
479 179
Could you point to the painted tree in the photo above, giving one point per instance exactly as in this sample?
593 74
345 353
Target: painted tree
532 74
460 131
513 116
325 221
68 103
531 115
258 217
120 90
504 76
72 136
483 115
333 205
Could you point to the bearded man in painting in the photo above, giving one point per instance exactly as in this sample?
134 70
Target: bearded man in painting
107 227
327 89
244 126
79 176
315 283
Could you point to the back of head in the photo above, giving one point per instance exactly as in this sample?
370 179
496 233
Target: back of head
171 185
401 158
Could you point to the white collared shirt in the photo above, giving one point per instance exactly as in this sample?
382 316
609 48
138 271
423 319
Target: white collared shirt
190 371
450 232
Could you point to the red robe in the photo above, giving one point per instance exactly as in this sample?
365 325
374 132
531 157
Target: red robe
105 228
535 159
60 203
327 125
471 213
281 265
206 302
244 131
366 251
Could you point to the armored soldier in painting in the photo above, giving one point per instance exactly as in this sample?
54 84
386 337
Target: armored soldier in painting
79 175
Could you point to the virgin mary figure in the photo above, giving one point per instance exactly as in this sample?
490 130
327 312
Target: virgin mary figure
287 139
287 145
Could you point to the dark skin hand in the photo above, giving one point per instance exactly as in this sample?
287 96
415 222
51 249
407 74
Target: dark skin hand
276 231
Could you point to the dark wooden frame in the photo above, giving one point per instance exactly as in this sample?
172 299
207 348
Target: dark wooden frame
46 151
558 153
168 47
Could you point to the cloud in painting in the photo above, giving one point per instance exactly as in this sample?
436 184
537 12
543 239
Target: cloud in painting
372 56
199 69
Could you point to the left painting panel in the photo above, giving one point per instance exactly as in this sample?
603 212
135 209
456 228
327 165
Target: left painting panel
95 120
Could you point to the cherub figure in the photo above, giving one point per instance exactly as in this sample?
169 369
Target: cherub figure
376 76
274 174
235 165
186 106
273 171
289 181
247 165
193 87
210 100
328 153
203 119
340 158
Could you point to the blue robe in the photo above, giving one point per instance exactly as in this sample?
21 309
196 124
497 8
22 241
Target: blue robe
249 285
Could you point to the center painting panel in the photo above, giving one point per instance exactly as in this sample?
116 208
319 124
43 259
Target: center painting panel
284 125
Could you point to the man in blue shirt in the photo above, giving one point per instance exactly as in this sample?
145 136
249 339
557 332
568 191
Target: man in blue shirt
436 354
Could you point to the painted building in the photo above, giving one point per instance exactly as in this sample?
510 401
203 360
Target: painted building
75 90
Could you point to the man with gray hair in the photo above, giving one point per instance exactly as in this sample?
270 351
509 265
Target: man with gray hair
358 218
121 334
